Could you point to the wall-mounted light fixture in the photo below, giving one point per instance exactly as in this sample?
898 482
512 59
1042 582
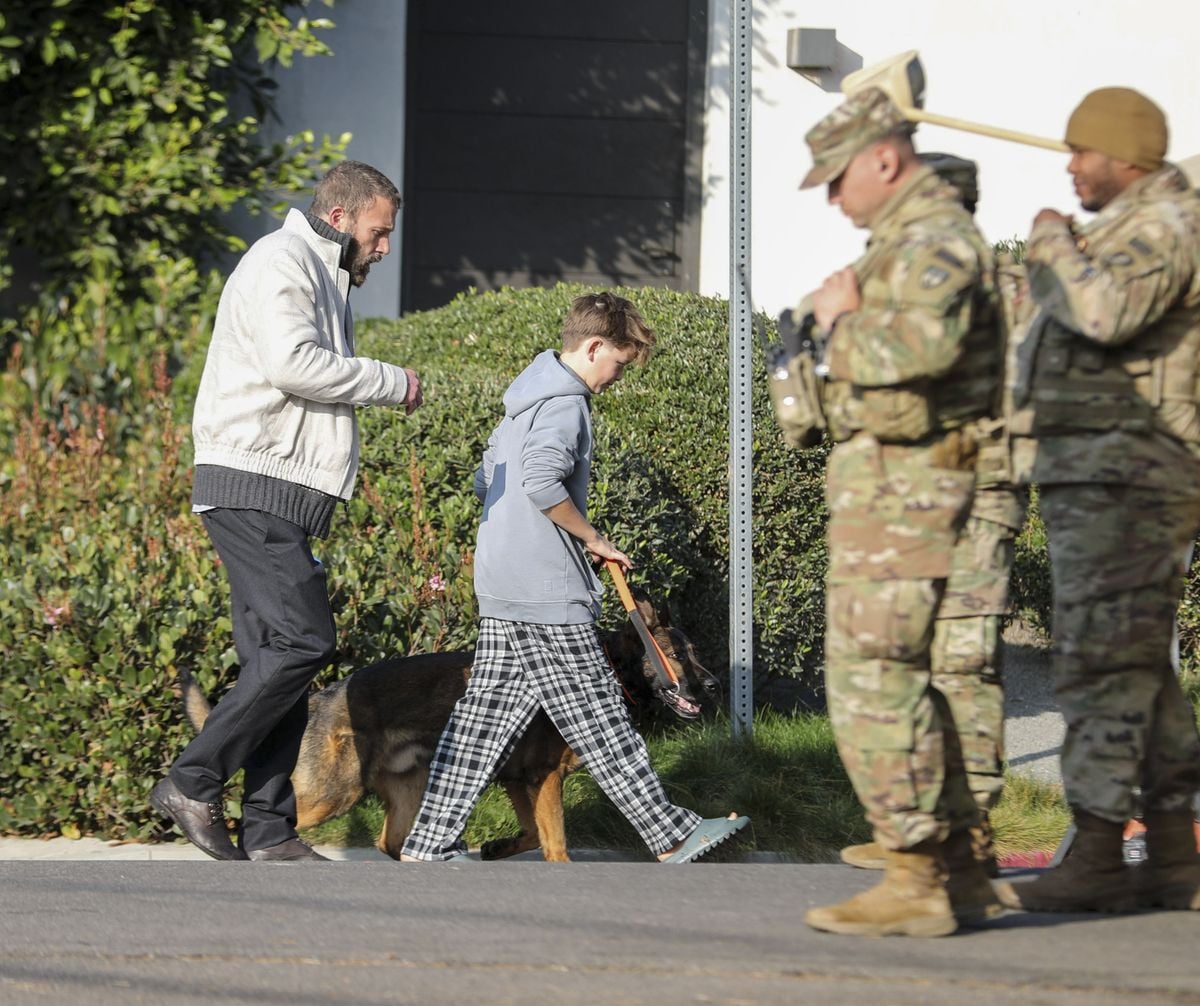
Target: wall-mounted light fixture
810 49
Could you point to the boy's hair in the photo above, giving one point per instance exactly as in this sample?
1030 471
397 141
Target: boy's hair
353 186
610 317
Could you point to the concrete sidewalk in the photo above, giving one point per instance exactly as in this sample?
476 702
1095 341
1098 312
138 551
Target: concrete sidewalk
92 849
95 849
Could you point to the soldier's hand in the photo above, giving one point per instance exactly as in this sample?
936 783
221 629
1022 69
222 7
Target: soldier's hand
1052 216
837 295
413 400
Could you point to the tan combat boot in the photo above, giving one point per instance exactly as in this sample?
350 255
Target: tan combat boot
867 856
911 900
971 893
1093 877
870 855
1170 876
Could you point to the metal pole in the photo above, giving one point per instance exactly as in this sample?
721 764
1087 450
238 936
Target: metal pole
741 615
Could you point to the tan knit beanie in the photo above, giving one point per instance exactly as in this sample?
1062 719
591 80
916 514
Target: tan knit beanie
1122 123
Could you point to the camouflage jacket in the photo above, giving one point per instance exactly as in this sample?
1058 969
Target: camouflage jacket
921 355
1105 372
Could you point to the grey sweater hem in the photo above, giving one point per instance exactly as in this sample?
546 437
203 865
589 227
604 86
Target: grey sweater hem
545 613
232 489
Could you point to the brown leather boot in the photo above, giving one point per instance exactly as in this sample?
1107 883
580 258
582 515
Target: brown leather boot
911 900
971 893
1093 877
1170 876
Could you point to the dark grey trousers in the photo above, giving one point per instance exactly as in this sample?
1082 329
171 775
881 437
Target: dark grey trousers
284 633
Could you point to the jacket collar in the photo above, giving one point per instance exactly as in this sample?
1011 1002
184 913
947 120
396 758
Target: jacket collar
332 249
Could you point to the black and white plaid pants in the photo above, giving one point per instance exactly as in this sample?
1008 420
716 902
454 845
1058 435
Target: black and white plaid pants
519 668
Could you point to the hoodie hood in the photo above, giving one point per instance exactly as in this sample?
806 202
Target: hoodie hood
546 377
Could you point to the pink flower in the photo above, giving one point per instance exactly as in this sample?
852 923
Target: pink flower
54 615
436 583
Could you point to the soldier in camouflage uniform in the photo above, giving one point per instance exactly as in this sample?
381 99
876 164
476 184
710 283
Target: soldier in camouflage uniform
966 654
1107 374
913 355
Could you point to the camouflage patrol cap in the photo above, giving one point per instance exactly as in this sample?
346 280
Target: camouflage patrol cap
863 118
1122 123
959 172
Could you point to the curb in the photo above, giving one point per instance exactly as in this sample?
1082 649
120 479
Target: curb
99 850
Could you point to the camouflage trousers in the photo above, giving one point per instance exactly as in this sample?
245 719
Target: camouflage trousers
1117 556
966 656
894 519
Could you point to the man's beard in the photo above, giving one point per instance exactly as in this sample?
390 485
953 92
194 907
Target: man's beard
360 263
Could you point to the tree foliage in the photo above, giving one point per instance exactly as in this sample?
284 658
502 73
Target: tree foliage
121 157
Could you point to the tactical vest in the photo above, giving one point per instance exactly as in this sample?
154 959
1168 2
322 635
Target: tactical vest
1151 383
1081 387
927 407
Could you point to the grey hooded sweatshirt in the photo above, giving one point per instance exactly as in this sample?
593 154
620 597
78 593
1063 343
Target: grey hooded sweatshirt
527 569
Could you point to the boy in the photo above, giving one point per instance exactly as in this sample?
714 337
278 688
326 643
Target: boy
539 599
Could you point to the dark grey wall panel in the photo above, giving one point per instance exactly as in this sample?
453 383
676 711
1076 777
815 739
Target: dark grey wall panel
552 139
463 73
544 232
658 20
616 157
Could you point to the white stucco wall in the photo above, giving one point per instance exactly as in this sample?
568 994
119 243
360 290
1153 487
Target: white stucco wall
360 90
1022 64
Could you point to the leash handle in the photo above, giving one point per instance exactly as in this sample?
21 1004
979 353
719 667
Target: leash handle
658 659
623 593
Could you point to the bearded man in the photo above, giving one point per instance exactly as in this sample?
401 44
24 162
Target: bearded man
276 449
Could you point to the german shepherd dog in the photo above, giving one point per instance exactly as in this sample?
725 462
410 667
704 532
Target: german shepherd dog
377 729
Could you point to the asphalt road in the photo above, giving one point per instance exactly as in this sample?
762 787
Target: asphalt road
174 933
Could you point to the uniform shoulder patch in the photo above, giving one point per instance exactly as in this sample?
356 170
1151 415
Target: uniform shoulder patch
1135 257
934 274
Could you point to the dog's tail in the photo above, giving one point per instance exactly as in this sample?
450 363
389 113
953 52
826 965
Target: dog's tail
195 703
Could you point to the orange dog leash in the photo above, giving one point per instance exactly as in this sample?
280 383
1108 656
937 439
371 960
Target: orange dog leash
658 659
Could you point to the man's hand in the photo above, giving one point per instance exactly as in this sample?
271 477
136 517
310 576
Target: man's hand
837 295
413 399
1052 216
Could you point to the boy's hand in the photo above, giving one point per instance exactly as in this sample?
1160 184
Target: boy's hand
568 517
601 548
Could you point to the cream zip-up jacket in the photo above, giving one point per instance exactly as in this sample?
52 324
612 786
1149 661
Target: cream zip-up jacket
281 380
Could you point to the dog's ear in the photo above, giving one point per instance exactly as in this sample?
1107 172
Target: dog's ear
648 612
666 617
